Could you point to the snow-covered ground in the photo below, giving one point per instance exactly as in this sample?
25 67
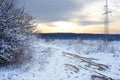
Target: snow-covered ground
50 63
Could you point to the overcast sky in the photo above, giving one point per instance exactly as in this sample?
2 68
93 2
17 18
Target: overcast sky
79 16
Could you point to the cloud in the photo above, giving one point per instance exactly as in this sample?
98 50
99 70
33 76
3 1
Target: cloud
86 23
78 12
62 10
54 10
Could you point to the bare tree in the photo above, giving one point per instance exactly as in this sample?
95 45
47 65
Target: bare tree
15 26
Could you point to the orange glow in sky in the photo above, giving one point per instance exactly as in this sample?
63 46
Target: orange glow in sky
73 16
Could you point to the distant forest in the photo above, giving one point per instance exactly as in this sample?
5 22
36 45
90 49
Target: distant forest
111 37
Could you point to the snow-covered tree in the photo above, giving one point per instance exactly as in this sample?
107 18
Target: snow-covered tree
15 26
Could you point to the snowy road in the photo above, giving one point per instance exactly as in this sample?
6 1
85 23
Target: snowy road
49 62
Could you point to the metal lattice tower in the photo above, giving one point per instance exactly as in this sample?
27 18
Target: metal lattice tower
106 20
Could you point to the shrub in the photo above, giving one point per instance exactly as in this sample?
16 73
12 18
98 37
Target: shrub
15 27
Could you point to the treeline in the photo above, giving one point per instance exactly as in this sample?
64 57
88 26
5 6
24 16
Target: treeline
111 37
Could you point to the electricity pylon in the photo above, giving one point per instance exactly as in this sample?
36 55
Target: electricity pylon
106 20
